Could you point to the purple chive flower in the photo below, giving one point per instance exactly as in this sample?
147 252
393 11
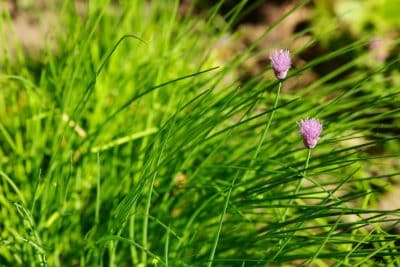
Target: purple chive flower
281 63
377 48
310 130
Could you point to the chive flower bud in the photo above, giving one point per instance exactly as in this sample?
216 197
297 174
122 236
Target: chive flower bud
378 49
310 130
281 63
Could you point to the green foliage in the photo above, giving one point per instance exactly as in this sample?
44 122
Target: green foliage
131 144
360 18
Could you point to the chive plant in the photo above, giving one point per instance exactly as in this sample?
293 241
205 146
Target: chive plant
131 142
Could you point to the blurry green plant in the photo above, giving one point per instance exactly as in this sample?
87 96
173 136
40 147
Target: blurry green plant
360 18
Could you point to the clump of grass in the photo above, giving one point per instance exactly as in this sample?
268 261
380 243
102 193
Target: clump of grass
130 145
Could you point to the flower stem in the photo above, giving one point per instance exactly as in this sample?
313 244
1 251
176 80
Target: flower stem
283 243
307 161
296 191
298 185
264 134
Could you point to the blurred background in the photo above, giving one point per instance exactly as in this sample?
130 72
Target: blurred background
318 26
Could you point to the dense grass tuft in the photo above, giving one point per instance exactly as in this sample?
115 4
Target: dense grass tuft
130 141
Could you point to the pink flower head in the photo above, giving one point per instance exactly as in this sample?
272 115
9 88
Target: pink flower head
310 130
281 63
378 49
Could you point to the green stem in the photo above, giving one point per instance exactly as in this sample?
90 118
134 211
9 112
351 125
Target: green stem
148 204
167 246
112 253
221 220
146 221
307 161
298 185
264 134
97 212
134 254
296 191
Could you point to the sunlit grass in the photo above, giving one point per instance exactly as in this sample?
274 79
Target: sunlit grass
131 144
